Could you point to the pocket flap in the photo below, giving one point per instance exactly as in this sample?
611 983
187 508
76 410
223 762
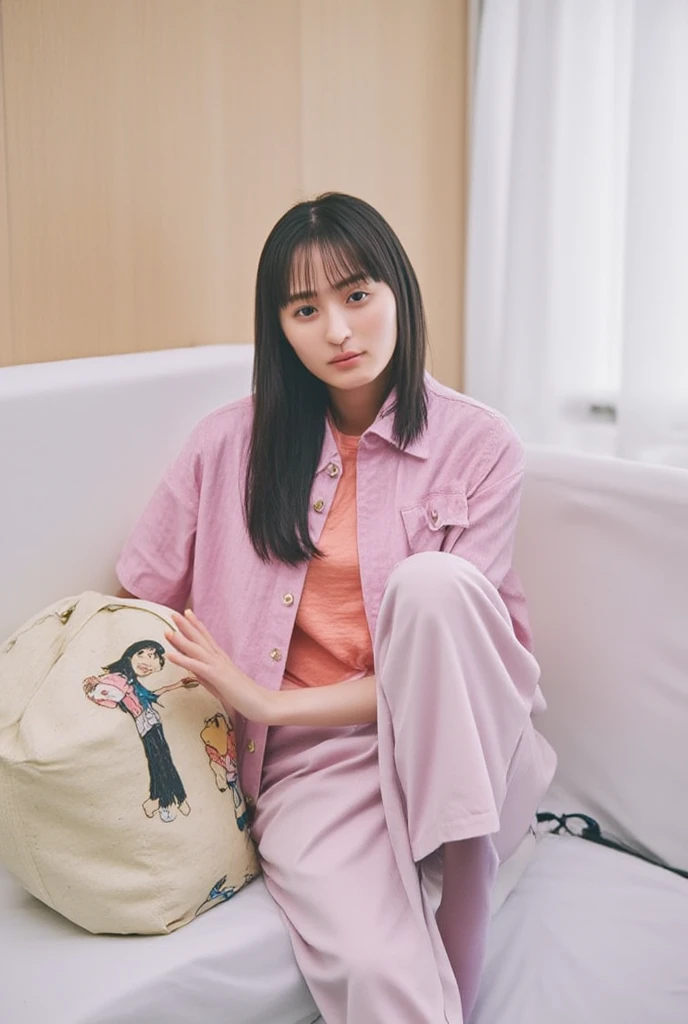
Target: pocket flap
436 512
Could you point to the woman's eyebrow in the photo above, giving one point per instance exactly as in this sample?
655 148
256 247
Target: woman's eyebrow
346 282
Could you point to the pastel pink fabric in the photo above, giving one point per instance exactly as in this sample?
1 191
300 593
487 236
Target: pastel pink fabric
456 489
346 815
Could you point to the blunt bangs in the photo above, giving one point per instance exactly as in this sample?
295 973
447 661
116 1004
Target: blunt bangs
343 257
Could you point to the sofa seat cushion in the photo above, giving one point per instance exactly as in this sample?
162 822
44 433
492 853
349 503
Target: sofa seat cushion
232 964
589 936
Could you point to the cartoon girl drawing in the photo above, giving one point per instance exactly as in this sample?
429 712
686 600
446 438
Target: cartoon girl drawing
220 746
120 687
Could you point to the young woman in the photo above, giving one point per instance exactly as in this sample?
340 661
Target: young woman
345 536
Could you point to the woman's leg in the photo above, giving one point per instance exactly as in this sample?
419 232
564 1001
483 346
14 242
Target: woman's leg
360 938
461 766
472 863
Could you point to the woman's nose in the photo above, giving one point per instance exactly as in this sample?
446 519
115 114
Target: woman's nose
337 329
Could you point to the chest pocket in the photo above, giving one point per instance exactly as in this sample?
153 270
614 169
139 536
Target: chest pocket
428 522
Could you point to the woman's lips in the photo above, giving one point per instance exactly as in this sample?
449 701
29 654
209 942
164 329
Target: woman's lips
347 360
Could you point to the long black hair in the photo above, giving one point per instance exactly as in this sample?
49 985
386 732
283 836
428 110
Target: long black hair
289 402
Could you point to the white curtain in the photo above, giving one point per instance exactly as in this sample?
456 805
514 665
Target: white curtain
577 286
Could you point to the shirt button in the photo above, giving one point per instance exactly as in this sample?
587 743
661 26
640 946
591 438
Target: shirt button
319 505
250 802
276 654
332 470
288 599
251 746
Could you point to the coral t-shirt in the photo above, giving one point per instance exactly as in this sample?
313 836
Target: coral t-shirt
331 640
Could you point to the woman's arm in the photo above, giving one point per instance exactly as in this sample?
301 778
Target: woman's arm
353 702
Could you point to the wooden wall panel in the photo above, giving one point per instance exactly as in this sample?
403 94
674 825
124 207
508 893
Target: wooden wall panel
6 349
383 94
151 145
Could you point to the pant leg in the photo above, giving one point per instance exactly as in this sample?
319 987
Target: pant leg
359 936
459 757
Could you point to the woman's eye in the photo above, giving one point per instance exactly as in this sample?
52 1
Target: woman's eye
305 311
358 296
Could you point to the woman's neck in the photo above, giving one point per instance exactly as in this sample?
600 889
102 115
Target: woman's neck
354 411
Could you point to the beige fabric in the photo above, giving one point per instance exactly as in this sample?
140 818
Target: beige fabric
120 811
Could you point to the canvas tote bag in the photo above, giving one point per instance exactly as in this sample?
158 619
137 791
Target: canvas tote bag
120 804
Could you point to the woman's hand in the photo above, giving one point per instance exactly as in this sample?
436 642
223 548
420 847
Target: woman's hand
197 653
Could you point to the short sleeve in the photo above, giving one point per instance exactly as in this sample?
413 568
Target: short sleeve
493 507
156 563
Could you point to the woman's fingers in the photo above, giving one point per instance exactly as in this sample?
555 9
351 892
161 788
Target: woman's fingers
188 631
194 649
191 627
193 630
186 628
187 647
201 673
188 663
200 669
196 622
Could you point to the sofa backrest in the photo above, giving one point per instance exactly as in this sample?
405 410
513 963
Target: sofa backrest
602 551
83 445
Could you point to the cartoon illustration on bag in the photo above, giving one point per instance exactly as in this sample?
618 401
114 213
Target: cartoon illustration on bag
120 687
220 746
221 892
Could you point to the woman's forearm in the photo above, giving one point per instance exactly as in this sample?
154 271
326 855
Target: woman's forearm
353 702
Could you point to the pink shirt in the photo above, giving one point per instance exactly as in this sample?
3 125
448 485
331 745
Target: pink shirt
456 489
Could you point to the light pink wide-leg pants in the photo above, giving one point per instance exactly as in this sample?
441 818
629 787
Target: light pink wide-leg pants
346 816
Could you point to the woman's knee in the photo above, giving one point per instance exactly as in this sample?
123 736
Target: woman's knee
433 579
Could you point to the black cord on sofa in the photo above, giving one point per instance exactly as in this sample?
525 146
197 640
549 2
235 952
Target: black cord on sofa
593 833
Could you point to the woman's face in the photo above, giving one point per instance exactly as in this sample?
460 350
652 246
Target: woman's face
145 662
345 335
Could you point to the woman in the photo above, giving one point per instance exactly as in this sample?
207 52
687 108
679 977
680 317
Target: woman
120 686
345 536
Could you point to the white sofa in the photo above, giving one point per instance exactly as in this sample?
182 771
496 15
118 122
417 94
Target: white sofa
590 935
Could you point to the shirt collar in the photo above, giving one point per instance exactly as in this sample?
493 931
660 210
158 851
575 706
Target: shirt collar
383 426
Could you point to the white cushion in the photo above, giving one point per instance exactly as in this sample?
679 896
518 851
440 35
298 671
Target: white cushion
589 936
90 439
233 964
603 554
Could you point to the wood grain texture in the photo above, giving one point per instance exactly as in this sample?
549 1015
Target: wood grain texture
151 145
6 347
383 117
